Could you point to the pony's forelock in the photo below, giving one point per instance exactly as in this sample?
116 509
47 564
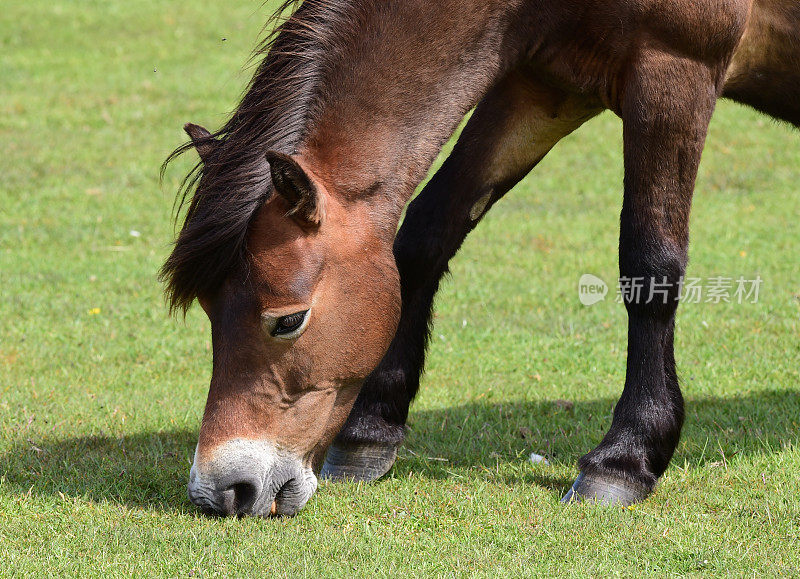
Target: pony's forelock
218 198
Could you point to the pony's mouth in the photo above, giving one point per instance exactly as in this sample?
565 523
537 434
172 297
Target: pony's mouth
250 478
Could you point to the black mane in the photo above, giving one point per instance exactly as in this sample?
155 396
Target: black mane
224 193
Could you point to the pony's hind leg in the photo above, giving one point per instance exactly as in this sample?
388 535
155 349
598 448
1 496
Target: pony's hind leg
515 125
665 124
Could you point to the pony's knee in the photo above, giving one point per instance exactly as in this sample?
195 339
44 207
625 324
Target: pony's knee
651 278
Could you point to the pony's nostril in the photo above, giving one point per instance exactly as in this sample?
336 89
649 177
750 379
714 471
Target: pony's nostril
244 497
251 478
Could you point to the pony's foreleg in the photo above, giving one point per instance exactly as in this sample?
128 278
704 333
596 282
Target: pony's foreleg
515 125
665 124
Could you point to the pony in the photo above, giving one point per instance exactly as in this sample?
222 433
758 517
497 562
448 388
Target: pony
320 308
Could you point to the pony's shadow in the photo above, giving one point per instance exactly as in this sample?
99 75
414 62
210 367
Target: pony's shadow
497 439
149 470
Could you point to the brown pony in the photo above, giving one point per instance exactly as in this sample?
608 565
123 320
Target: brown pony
320 310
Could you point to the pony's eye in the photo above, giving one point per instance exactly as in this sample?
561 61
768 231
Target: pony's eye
289 326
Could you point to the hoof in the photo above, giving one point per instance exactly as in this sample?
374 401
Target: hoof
359 462
605 490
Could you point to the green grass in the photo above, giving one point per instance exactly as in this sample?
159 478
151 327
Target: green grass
101 392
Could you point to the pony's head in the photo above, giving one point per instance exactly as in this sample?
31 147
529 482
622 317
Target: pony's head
300 314
287 239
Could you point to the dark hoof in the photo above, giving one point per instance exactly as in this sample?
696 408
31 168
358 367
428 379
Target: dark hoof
359 462
605 490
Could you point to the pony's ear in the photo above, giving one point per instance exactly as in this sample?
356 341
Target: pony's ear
202 139
298 189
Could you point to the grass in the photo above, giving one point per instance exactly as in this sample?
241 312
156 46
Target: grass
101 392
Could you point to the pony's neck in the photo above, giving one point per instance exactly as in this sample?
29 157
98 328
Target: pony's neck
397 79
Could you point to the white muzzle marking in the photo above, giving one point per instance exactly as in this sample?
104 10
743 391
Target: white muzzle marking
244 477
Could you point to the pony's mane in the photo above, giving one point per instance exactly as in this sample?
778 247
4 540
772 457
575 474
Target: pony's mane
224 192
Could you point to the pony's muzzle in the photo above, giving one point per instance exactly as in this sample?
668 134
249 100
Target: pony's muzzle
250 477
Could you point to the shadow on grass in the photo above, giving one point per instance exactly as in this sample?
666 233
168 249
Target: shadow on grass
150 470
492 436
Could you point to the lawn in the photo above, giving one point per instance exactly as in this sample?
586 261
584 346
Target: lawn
102 392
